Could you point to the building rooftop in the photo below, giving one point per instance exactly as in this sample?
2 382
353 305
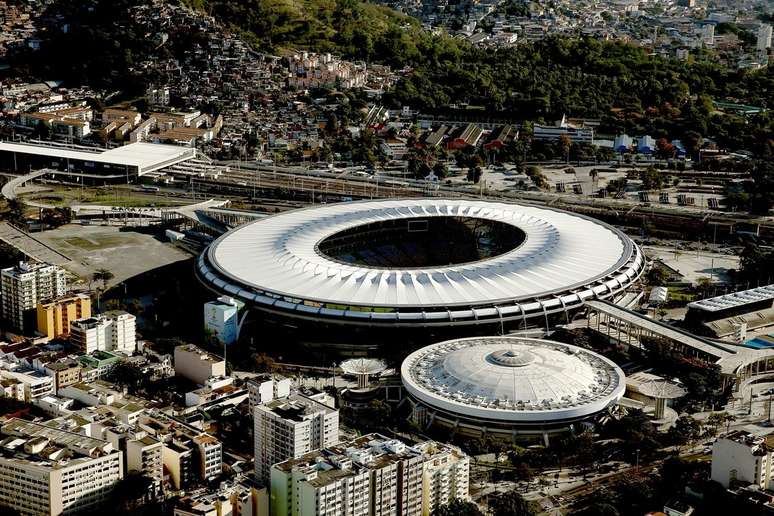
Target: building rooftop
76 444
735 299
295 407
758 444
358 456
145 156
204 356
512 379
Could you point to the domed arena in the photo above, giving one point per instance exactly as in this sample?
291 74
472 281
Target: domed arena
509 387
422 263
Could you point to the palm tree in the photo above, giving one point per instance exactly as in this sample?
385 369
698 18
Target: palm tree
104 276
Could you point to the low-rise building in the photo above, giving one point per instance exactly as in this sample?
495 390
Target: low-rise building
216 392
97 364
35 384
197 365
64 372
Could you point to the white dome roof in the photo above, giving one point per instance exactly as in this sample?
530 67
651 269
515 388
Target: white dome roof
512 379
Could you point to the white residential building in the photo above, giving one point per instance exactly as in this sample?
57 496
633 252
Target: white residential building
210 456
764 37
34 384
111 331
44 470
290 427
264 389
743 457
370 475
144 456
26 284
197 365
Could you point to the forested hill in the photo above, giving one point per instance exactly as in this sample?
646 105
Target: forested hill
616 82
354 28
535 81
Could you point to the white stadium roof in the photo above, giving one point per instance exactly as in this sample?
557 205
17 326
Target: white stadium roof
735 299
512 380
147 157
564 259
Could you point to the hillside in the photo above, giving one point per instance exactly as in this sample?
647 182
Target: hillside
354 28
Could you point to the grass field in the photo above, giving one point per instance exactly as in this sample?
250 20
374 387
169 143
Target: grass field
123 195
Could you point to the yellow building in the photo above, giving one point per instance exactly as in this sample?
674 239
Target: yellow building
55 315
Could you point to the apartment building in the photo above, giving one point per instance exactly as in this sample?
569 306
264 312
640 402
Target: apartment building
197 365
241 498
111 331
54 316
23 286
370 475
178 460
144 455
210 456
289 427
45 470
188 453
266 388
743 457
34 384
64 373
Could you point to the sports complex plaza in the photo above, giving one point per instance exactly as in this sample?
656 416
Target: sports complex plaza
419 263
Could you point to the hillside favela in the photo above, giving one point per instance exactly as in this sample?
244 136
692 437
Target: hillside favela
386 257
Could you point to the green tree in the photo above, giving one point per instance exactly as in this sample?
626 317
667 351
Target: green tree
652 179
686 430
511 504
457 507
126 376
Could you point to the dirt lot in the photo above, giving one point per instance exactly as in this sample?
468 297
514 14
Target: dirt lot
124 253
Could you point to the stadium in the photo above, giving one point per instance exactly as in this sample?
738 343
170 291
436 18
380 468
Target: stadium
509 387
422 263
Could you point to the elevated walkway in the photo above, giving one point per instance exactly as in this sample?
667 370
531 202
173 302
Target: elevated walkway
737 363
9 189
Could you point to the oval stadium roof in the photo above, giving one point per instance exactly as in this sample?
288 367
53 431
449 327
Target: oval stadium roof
565 258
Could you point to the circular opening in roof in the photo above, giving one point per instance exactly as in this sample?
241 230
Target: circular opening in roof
421 242
511 358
